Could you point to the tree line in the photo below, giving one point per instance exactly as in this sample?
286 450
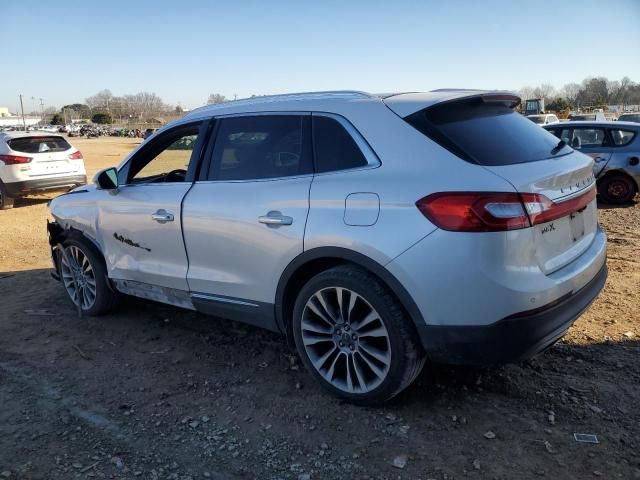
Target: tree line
593 92
104 107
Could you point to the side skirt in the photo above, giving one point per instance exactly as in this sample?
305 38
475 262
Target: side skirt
259 314
171 296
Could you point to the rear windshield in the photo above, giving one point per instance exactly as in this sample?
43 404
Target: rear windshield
486 133
538 120
39 144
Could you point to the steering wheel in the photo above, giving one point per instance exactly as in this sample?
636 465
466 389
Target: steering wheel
177 175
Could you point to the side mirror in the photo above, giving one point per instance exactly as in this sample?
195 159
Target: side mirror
107 179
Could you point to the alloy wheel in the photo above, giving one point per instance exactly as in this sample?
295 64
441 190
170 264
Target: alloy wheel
346 340
78 277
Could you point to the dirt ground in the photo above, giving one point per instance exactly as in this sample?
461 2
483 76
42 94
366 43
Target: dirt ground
152 391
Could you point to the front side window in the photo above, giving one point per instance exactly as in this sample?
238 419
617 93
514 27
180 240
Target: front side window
167 158
621 137
335 149
261 147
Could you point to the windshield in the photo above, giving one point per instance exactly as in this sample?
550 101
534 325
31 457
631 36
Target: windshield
486 133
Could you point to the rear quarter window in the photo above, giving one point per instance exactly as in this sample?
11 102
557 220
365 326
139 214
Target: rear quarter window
622 137
39 144
490 134
335 149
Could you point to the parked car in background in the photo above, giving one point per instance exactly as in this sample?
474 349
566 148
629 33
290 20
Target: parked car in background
374 232
36 163
615 148
629 117
544 119
590 117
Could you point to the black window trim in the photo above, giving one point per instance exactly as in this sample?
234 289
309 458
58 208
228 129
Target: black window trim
194 161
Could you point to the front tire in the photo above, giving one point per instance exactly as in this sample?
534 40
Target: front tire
83 276
354 337
617 189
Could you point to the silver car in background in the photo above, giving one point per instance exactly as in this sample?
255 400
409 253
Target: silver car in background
615 149
373 231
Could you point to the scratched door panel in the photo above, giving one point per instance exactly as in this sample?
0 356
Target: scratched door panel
136 246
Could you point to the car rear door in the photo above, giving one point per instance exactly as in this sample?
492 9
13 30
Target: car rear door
595 142
244 220
140 223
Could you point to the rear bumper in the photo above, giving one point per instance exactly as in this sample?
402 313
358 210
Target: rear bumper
511 339
20 189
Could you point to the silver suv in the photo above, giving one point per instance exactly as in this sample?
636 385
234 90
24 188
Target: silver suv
374 232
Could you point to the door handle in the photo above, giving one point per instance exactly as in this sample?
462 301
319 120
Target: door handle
162 216
275 218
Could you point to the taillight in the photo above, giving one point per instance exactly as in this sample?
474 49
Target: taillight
542 210
474 211
77 155
494 212
14 159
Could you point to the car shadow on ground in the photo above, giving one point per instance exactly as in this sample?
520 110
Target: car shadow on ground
183 333
610 206
30 201
152 369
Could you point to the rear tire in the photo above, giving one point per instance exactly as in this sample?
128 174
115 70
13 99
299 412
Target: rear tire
6 202
91 290
617 189
354 337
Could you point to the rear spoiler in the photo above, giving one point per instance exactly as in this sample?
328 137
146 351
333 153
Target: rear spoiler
409 103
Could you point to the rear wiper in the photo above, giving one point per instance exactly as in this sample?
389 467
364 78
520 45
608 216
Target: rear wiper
561 144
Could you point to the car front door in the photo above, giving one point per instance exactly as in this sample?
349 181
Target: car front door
139 223
244 219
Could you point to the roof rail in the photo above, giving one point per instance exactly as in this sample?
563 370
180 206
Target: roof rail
284 96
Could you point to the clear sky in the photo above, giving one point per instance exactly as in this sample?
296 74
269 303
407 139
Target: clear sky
65 51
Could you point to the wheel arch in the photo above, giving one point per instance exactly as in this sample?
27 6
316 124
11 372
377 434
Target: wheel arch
621 172
314 261
58 234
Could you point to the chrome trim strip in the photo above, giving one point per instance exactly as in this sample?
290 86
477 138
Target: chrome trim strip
213 298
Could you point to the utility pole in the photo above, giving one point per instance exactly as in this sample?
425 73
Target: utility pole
42 111
22 110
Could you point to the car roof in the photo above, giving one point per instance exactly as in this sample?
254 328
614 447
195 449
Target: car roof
602 123
402 103
21 134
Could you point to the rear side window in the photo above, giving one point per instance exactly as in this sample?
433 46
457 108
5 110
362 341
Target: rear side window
39 144
489 134
264 146
590 137
621 137
335 149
